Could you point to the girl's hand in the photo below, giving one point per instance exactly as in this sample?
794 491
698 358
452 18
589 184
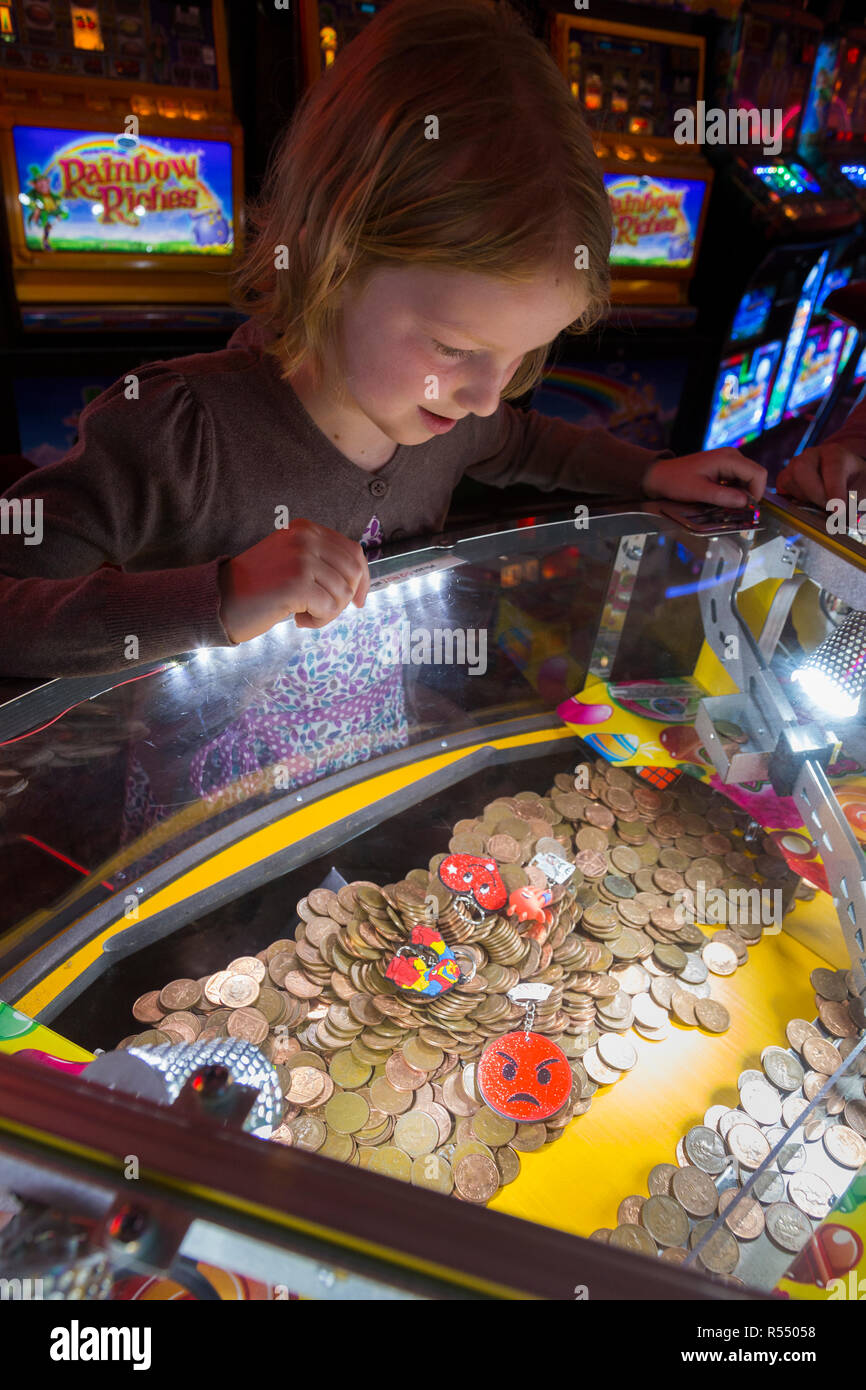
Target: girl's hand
305 570
707 477
828 470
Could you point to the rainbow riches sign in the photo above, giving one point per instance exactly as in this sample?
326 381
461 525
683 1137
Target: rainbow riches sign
82 191
655 219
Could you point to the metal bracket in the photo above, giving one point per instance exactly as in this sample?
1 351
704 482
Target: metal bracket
626 564
778 745
843 861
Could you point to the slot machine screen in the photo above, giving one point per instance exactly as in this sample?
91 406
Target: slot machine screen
740 396
656 220
164 42
87 192
772 67
752 314
820 101
631 84
817 367
800 322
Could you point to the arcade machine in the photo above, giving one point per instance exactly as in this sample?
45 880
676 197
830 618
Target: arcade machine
122 173
630 80
781 234
833 135
326 26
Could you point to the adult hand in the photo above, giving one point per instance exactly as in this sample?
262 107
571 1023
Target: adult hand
827 470
720 477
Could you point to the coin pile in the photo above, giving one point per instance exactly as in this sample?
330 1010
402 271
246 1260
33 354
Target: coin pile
715 1160
377 1077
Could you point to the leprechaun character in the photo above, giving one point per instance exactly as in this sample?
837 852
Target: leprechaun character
45 206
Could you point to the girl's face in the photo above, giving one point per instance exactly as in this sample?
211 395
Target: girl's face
421 339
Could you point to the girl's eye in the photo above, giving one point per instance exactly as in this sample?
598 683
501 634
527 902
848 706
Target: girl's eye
457 353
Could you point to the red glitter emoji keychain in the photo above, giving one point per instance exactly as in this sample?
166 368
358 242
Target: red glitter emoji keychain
524 1076
477 884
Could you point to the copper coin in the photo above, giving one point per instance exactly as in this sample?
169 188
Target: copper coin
307 1084
668 880
300 986
855 1116
180 994
249 1024
184 1024
401 1075
830 984
601 816
836 1018
821 1055
248 965
845 1146
797 1030
746 1219
629 1210
476 1178
146 1008
505 848
695 1191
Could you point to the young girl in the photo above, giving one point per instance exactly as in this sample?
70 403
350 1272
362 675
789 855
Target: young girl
415 260
433 219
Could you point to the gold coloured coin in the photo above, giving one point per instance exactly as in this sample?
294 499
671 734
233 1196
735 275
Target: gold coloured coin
347 1112
432 1172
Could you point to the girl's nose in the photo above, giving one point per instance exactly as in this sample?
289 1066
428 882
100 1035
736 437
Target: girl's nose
482 396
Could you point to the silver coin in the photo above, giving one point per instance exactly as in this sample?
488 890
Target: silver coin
782 1068
730 1118
694 972
683 1160
749 1075
748 1145
616 1051
791 1158
769 1187
705 1149
811 1194
815 1126
760 1100
701 991
714 1115
792 1109
788 1227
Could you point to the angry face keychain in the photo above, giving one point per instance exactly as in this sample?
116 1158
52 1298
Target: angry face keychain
524 1076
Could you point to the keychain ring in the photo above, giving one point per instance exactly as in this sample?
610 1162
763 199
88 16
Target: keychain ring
460 953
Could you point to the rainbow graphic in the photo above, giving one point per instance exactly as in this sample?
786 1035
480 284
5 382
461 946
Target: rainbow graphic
656 219
97 192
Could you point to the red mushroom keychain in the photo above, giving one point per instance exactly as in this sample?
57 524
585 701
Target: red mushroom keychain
523 1075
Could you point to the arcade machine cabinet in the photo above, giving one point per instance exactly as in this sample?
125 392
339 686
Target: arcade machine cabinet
629 81
231 956
776 229
122 173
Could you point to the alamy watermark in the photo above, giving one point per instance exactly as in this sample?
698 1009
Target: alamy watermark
699 125
22 517
422 646
732 907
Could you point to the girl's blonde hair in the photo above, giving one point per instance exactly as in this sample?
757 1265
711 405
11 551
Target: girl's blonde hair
510 185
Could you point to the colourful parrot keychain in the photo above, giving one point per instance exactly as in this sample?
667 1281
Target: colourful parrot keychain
428 965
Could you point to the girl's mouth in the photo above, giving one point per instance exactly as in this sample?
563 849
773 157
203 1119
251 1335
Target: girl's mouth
438 424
